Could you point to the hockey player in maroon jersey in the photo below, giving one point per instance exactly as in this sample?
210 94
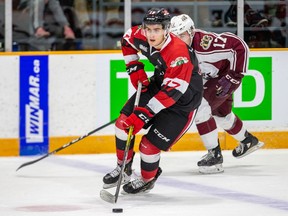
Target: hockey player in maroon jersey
168 101
223 60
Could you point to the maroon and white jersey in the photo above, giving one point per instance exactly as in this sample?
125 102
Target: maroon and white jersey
176 70
220 53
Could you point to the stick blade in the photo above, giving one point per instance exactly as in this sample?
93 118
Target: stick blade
33 161
108 197
20 167
25 164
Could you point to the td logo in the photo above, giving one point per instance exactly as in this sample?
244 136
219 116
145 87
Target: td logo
252 100
120 87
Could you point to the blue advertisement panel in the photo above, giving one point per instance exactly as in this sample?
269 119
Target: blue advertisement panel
33 105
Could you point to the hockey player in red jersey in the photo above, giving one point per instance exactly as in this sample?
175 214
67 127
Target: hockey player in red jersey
168 101
223 61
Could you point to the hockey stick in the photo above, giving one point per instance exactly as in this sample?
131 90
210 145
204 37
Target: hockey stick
66 145
105 195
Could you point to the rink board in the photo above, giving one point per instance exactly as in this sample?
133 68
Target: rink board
106 144
78 92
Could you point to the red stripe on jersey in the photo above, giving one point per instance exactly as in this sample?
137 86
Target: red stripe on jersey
164 99
129 48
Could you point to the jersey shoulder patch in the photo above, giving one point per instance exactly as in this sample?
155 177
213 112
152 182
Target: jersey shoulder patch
179 61
206 41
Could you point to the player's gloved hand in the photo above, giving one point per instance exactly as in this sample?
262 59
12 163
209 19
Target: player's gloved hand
137 119
227 85
136 72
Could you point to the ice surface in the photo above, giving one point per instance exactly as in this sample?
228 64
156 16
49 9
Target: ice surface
256 185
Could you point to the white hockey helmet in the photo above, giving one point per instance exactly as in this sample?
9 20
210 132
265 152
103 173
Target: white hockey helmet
181 24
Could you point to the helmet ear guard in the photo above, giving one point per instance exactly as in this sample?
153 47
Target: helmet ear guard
181 24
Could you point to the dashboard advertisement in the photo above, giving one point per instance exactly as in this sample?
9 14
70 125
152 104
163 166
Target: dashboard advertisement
48 95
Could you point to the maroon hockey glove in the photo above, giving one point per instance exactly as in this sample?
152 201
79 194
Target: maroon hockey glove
137 119
137 73
227 85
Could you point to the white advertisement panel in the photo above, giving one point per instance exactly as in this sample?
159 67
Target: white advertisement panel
86 91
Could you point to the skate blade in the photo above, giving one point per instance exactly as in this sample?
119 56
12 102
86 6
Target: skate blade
254 148
125 180
108 197
135 194
211 169
108 186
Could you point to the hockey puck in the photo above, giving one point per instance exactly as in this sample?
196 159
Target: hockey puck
117 210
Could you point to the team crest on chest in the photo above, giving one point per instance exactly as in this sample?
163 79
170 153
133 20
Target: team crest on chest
179 61
206 42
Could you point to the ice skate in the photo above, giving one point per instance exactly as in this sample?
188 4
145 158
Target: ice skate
139 186
110 179
211 162
247 146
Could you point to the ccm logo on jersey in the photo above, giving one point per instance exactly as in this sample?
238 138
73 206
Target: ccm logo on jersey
206 42
179 61
161 136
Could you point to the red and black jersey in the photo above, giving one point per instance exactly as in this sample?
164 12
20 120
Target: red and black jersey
219 54
176 69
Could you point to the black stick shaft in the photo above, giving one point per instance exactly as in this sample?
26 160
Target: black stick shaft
127 146
66 145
